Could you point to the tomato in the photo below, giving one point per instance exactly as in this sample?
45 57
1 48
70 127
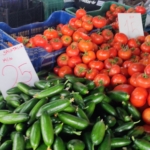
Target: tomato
118 79
56 43
145 47
136 51
59 26
115 25
56 69
78 23
87 17
132 79
148 98
115 69
135 67
117 45
138 97
125 88
88 56
143 80
113 7
99 21
141 38
146 116
144 61
66 40
99 65
125 53
67 30
22 39
147 38
113 52
72 49
135 58
103 54
108 13
121 38
127 63
40 40
108 63
74 60
105 46
87 25
82 30
64 70
133 43
85 45
130 10
105 71
102 79
147 69
140 9
95 47
107 34
147 128
97 38
50 33
80 13
80 70
72 22
62 60
122 8
144 55
31 41
48 47
91 73
117 10
124 71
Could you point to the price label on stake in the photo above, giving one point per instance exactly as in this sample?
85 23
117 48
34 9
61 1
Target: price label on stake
15 66
130 24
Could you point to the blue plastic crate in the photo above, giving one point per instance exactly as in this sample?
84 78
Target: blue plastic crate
38 56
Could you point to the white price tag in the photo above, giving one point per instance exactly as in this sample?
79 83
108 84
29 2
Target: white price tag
15 66
130 24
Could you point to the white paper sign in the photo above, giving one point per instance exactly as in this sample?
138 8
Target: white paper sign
15 66
130 24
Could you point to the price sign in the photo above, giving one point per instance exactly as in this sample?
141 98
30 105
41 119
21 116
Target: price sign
130 24
15 66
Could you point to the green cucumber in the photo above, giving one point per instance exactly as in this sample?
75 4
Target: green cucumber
14 90
25 97
20 127
59 144
4 112
42 147
58 128
23 87
13 97
42 84
75 144
2 104
90 108
4 130
13 103
6 145
73 79
87 140
32 92
120 142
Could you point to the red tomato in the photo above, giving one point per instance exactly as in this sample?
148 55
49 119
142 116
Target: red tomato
50 33
108 63
121 38
48 47
87 18
99 21
97 38
133 43
64 70
125 88
78 23
62 60
85 45
99 65
107 34
103 54
102 79
143 80
117 45
113 7
22 39
125 53
136 51
147 69
66 40
113 52
144 55
124 71
139 97
56 69
132 79
148 98
115 69
108 13
135 67
88 56
145 47
80 70
67 30
56 43
82 30
147 38
91 73
40 41
140 9
104 71
118 79
72 22
72 49
59 26
127 63
80 13
87 25
74 60
146 116
141 39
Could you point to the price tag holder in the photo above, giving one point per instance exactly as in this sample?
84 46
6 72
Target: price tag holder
15 66
130 24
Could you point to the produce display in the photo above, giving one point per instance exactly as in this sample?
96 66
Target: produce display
69 113
96 98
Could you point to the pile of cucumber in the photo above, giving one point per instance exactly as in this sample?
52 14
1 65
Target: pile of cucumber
69 113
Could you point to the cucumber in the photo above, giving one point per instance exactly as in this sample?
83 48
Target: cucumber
18 142
4 130
50 91
23 87
14 118
6 145
13 97
35 135
2 104
59 144
20 127
28 144
42 147
13 103
120 142
4 112
42 84
32 92
14 90
25 97
47 130
75 144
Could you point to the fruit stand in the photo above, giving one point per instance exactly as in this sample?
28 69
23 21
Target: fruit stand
77 83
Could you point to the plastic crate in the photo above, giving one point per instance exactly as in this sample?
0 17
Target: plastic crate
38 56
102 11
24 16
52 5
